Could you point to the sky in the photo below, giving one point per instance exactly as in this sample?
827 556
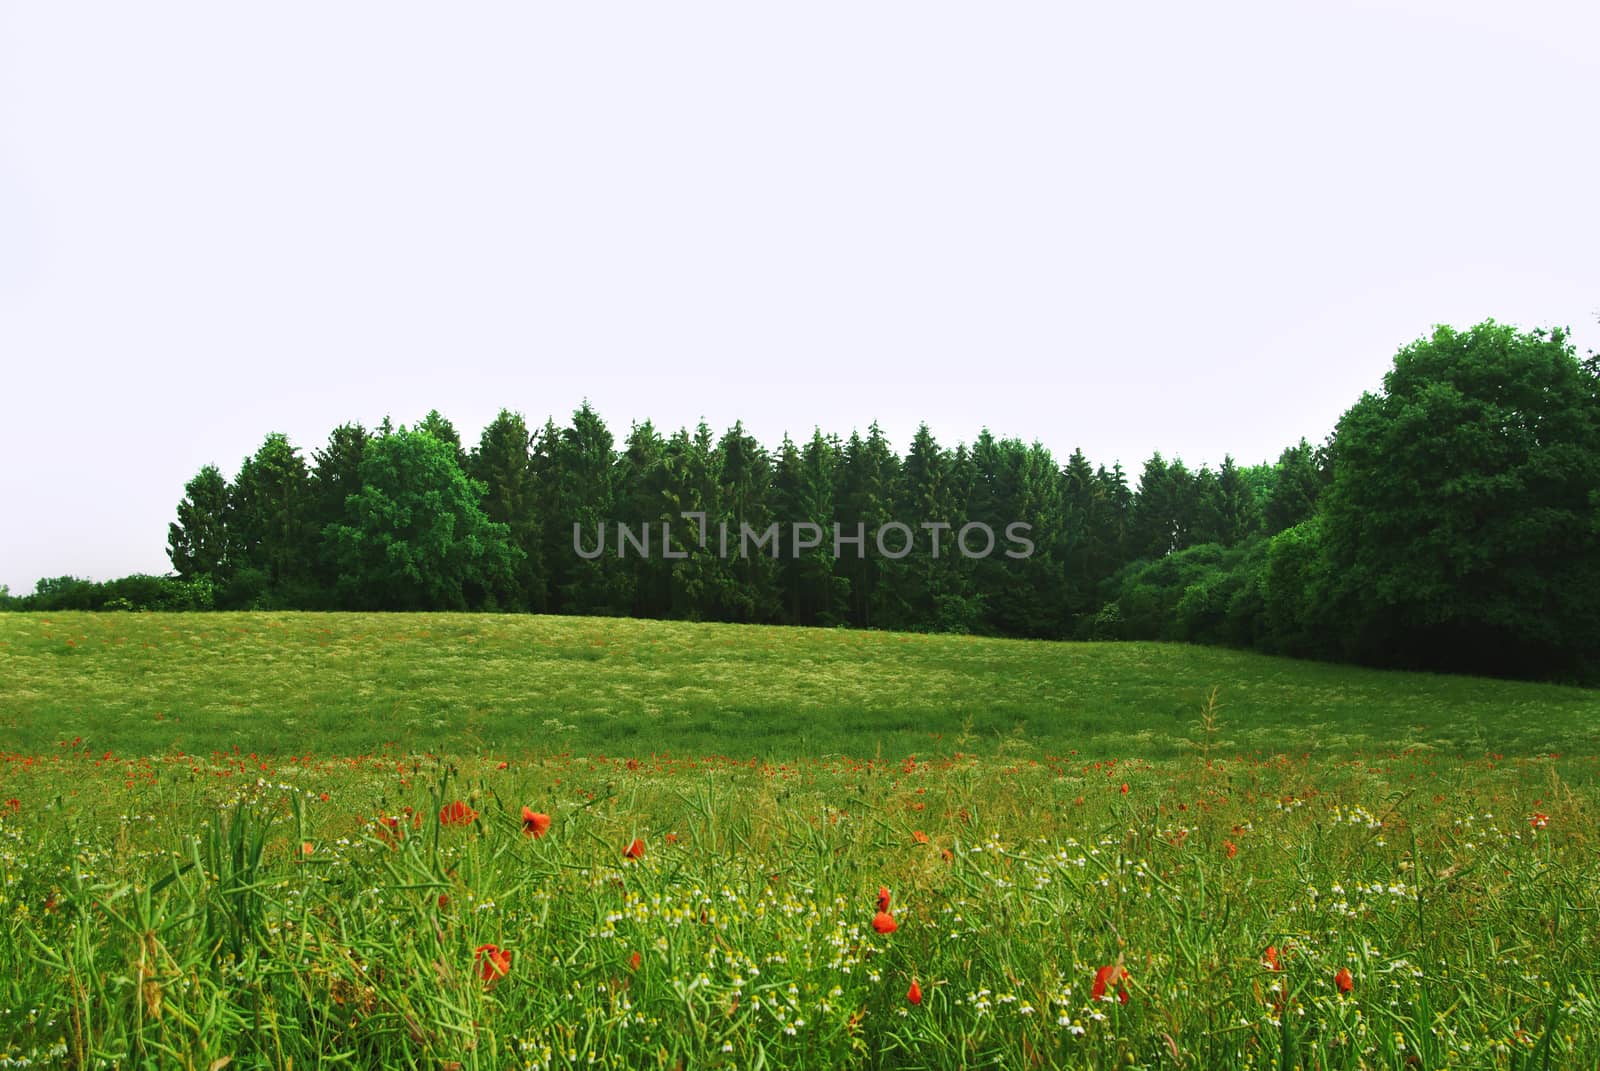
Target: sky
1198 229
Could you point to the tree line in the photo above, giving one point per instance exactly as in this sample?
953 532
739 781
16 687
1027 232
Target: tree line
1451 521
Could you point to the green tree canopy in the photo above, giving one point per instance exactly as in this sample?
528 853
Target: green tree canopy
1462 530
197 543
414 537
269 523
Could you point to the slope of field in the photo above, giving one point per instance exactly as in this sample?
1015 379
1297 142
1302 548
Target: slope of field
283 683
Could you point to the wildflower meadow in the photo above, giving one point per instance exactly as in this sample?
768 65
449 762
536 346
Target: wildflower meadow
978 901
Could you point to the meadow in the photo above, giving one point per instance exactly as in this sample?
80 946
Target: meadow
452 842
346 683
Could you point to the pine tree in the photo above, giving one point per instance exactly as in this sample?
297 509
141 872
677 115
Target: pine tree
198 542
436 425
642 503
865 502
1205 522
1236 504
584 470
1296 486
503 463
335 476
269 520
746 479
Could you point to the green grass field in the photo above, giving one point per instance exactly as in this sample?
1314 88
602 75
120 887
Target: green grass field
349 683
299 841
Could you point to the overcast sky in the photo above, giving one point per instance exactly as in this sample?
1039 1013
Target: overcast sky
1197 228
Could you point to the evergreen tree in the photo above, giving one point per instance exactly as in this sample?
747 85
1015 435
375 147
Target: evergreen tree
269 519
751 576
1153 526
584 470
503 463
1089 536
555 552
1205 522
804 493
335 476
1017 484
693 487
1296 486
865 501
436 425
1235 504
643 498
198 542
929 589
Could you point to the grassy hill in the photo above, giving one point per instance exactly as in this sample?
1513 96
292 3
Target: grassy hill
283 683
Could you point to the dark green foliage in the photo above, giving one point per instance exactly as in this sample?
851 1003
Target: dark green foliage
578 466
647 501
197 543
414 537
1452 522
335 476
436 425
1295 593
866 500
1460 528
503 464
932 593
804 483
749 582
136 592
1167 510
1024 591
1236 504
1149 595
1296 485
271 541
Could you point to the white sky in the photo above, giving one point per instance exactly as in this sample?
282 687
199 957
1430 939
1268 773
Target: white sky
1196 228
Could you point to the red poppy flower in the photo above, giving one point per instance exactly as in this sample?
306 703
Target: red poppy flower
1537 820
444 901
1124 788
919 836
1343 980
1269 958
534 823
883 898
884 922
633 962
492 963
914 994
634 850
1111 974
457 814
